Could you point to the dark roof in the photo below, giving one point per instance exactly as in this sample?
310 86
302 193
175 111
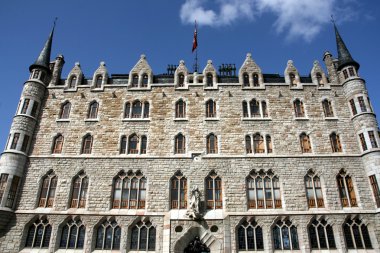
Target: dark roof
344 56
43 59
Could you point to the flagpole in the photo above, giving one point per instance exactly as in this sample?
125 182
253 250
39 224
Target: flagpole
195 47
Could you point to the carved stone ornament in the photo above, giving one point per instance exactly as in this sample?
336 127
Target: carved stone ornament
193 209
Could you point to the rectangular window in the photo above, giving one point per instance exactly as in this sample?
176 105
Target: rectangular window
345 74
3 184
369 104
34 109
16 136
353 107
363 107
25 106
375 189
25 143
351 71
372 139
362 142
12 192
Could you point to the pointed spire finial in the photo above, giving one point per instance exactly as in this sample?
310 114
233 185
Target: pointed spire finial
344 56
43 59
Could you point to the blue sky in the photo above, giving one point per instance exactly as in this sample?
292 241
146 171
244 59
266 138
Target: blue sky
119 31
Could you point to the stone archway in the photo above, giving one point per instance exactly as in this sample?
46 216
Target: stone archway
196 246
210 242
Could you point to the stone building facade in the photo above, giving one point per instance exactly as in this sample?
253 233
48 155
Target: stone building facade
113 163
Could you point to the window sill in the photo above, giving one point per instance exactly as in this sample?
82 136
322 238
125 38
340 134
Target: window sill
182 88
212 119
256 119
63 120
298 87
66 89
97 89
211 88
324 88
91 120
181 119
139 88
301 118
136 120
254 88
331 118
362 113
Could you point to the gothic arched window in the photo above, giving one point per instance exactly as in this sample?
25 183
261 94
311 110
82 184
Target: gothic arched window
256 80
209 81
93 110
346 190
73 234
79 191
263 190
320 80
314 190
123 144
49 186
143 236
248 144
135 80
133 144
321 235
127 110
180 109
180 144
65 110
327 108
136 109
335 143
145 79
250 236
72 81
129 191
210 109
143 144
39 234
146 110
299 110
57 144
87 144
212 144
255 108
245 79
214 191
99 81
285 236
356 235
269 146
305 143
178 192
245 110
293 81
264 109
181 80
258 144
108 236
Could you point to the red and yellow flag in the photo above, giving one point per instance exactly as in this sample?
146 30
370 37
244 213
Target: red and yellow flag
195 41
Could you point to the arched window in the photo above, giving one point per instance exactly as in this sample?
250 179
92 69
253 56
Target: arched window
135 80
258 143
93 110
129 191
335 143
143 144
298 108
292 78
255 108
214 191
356 235
210 109
65 110
353 107
327 108
136 109
178 191
39 234
99 81
87 144
263 190
123 145
285 236
145 79
245 79
79 191
248 144
181 80
108 236
346 190
212 144
133 144
49 185
313 190
143 237
305 143
57 144
146 109
250 236
320 80
321 235
209 81
268 140
256 80
264 109
180 109
180 144
72 82
73 234
245 109
127 110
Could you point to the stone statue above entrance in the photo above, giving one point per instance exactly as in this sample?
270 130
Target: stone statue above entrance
193 209
196 246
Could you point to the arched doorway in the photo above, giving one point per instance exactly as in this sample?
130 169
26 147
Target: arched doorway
196 246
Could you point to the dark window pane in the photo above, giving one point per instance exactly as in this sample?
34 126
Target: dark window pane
259 238
108 241
134 238
143 238
322 237
293 231
99 238
277 238
250 238
65 234
81 236
330 237
46 239
241 238
152 238
116 239
367 240
313 237
348 237
30 237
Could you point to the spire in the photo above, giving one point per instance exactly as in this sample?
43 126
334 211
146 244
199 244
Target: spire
43 59
344 56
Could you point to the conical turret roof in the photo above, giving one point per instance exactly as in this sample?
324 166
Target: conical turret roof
344 56
43 59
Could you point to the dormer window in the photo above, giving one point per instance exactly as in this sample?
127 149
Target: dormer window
246 80
319 80
209 81
256 80
145 80
135 81
99 80
292 78
181 80
72 82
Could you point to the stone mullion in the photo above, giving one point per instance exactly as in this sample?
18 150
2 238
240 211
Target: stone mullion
326 237
315 193
290 238
347 192
272 193
352 236
317 235
129 192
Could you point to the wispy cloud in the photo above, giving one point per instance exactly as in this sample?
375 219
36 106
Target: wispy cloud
296 18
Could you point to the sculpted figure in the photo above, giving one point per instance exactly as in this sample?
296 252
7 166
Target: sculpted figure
193 210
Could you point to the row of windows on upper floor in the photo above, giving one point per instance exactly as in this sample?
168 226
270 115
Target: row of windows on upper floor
142 80
263 191
249 234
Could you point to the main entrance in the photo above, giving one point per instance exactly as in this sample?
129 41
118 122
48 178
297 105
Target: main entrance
196 246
